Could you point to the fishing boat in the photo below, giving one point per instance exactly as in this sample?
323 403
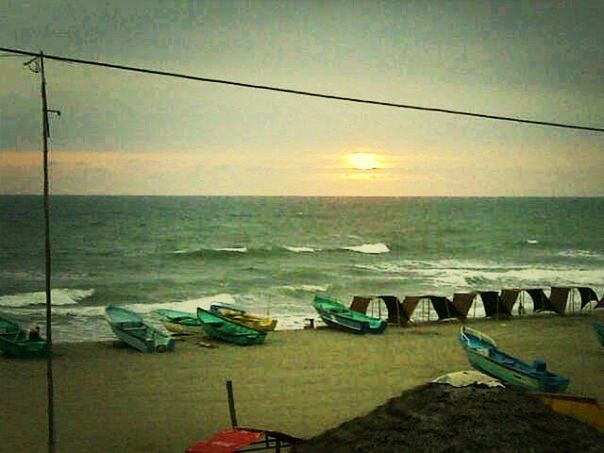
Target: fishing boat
15 341
583 408
336 315
130 328
242 317
599 328
180 322
223 328
484 355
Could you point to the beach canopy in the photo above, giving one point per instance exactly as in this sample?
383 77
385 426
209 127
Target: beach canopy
588 295
444 308
493 305
398 312
556 302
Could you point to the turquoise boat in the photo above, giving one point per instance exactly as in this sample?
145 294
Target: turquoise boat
222 328
180 322
599 328
15 341
336 315
130 328
484 356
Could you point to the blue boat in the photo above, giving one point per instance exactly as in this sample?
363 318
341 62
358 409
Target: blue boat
336 315
17 342
599 328
484 356
130 328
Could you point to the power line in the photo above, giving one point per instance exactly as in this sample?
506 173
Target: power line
299 92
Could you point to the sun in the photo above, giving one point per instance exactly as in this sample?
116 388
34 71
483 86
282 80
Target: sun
363 161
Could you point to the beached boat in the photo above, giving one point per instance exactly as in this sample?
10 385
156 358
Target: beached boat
599 328
242 317
222 328
484 356
130 328
583 408
334 314
15 341
180 322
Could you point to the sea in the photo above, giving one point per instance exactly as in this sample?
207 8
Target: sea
272 255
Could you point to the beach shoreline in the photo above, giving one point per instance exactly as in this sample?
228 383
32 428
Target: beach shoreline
301 382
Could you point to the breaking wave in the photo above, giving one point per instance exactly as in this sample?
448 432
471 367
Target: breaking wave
301 249
60 297
372 249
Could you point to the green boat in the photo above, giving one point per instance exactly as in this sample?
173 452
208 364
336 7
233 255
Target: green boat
484 355
15 341
130 328
222 328
180 322
336 315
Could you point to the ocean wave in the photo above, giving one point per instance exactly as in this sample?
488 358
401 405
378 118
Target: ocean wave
578 253
372 249
531 241
301 249
306 288
217 251
460 274
59 296
189 305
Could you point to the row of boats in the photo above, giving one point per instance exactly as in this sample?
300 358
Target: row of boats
235 325
226 323
221 322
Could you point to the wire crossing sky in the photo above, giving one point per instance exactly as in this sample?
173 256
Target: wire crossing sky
120 133
297 92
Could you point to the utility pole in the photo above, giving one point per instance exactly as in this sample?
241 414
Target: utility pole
37 65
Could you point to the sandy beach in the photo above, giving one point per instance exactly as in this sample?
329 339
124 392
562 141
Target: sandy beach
110 398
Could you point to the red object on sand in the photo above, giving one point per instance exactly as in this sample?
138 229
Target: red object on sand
227 441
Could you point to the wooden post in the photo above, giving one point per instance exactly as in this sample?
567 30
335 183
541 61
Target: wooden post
49 373
232 413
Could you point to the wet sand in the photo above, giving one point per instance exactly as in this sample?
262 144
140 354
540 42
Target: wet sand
111 398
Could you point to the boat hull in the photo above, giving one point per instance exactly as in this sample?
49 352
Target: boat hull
484 356
180 322
23 349
129 328
183 329
224 329
14 341
580 407
339 317
246 319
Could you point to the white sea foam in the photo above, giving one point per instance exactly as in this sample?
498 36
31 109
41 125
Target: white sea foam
578 253
372 249
300 249
189 305
309 288
231 249
60 296
460 274
532 241
215 249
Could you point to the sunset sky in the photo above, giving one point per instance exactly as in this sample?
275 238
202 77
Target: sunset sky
125 133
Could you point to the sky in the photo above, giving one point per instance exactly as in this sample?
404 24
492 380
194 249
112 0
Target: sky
127 133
